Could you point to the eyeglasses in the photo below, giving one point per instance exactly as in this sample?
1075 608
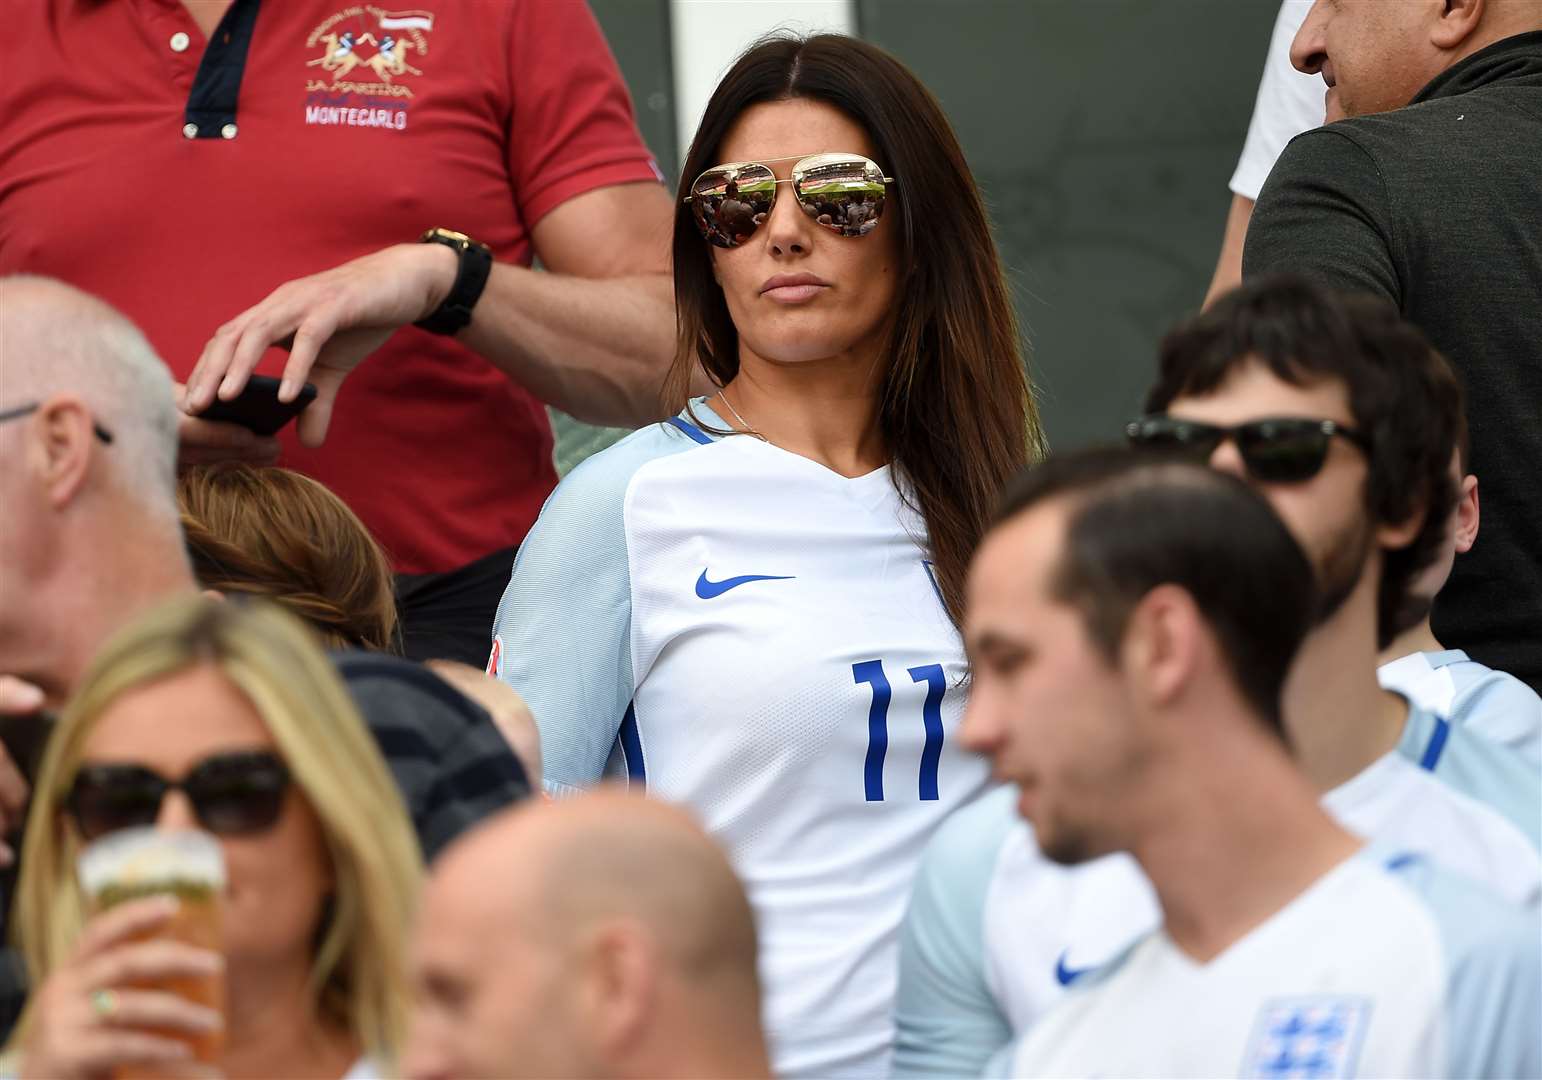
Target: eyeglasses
233 794
27 410
843 192
1281 450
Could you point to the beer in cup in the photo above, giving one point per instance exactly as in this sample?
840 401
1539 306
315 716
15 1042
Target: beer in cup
130 864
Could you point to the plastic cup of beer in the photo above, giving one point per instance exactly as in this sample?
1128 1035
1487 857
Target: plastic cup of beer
130 864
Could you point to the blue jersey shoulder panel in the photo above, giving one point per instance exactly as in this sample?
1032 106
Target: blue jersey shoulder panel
1476 766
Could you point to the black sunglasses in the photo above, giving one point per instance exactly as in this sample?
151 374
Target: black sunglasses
1280 450
233 794
27 410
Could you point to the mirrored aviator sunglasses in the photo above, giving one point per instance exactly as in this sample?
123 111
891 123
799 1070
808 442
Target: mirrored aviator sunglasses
845 193
233 794
1278 450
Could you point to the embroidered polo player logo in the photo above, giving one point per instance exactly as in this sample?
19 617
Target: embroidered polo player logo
366 36
369 54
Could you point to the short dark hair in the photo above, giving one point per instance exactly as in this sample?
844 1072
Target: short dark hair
1404 396
1140 520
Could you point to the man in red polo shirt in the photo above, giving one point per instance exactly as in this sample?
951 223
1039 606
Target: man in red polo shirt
182 158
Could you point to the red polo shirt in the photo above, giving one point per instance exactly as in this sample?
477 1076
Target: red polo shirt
182 184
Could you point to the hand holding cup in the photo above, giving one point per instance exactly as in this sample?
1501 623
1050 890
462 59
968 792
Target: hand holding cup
142 993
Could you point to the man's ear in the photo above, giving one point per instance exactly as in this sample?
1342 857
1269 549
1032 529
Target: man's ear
1161 644
620 965
61 442
1467 515
1455 22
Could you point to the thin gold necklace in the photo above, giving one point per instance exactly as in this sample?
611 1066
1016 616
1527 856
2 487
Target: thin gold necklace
745 424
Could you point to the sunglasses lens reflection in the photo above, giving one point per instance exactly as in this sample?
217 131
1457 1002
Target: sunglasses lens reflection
1195 441
1283 453
844 194
730 203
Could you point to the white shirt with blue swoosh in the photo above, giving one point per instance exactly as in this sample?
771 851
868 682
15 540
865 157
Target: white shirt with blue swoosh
741 630
1386 966
995 931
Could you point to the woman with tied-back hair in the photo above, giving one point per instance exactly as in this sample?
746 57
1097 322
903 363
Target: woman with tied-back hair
264 531
753 607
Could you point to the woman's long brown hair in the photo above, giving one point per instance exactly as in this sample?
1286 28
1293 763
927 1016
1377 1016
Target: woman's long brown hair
956 410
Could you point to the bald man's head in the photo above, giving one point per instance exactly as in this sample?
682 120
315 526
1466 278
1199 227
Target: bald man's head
599 936
89 535
1380 54
60 344
613 855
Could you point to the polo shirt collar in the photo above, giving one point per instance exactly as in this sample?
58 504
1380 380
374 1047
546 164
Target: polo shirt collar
1516 59
211 106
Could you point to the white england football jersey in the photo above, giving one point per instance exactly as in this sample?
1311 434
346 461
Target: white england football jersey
753 635
996 932
1384 967
1493 703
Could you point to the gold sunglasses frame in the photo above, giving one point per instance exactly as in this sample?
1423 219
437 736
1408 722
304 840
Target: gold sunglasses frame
803 166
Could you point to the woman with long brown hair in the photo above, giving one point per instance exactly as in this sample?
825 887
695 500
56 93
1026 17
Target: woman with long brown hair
752 608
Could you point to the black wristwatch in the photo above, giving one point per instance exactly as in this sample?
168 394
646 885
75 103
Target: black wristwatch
476 263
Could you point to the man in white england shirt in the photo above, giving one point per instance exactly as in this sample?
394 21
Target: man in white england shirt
996 932
1130 626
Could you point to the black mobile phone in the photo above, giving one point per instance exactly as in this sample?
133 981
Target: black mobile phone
257 408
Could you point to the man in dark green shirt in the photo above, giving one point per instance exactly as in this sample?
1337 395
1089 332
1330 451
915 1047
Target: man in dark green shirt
1429 192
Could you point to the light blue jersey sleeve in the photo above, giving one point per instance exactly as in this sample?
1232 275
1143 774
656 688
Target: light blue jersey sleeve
1002 1062
1498 706
946 1018
1493 957
1478 767
562 635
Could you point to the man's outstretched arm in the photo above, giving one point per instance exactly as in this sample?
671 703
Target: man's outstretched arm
591 335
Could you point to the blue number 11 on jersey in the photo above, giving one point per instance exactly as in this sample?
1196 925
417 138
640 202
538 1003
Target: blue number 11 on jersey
872 673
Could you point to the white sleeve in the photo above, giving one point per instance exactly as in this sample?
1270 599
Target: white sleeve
1288 103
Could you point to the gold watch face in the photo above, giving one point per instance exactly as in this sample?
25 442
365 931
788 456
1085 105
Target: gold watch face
460 239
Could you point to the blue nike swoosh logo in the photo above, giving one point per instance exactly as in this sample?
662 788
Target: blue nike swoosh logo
707 590
1066 976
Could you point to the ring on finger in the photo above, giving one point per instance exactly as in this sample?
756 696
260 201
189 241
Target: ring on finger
104 1004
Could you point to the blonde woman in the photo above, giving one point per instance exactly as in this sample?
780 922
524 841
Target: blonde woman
225 717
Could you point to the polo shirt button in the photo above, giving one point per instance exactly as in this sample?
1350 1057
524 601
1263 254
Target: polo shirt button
190 131
228 131
180 42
